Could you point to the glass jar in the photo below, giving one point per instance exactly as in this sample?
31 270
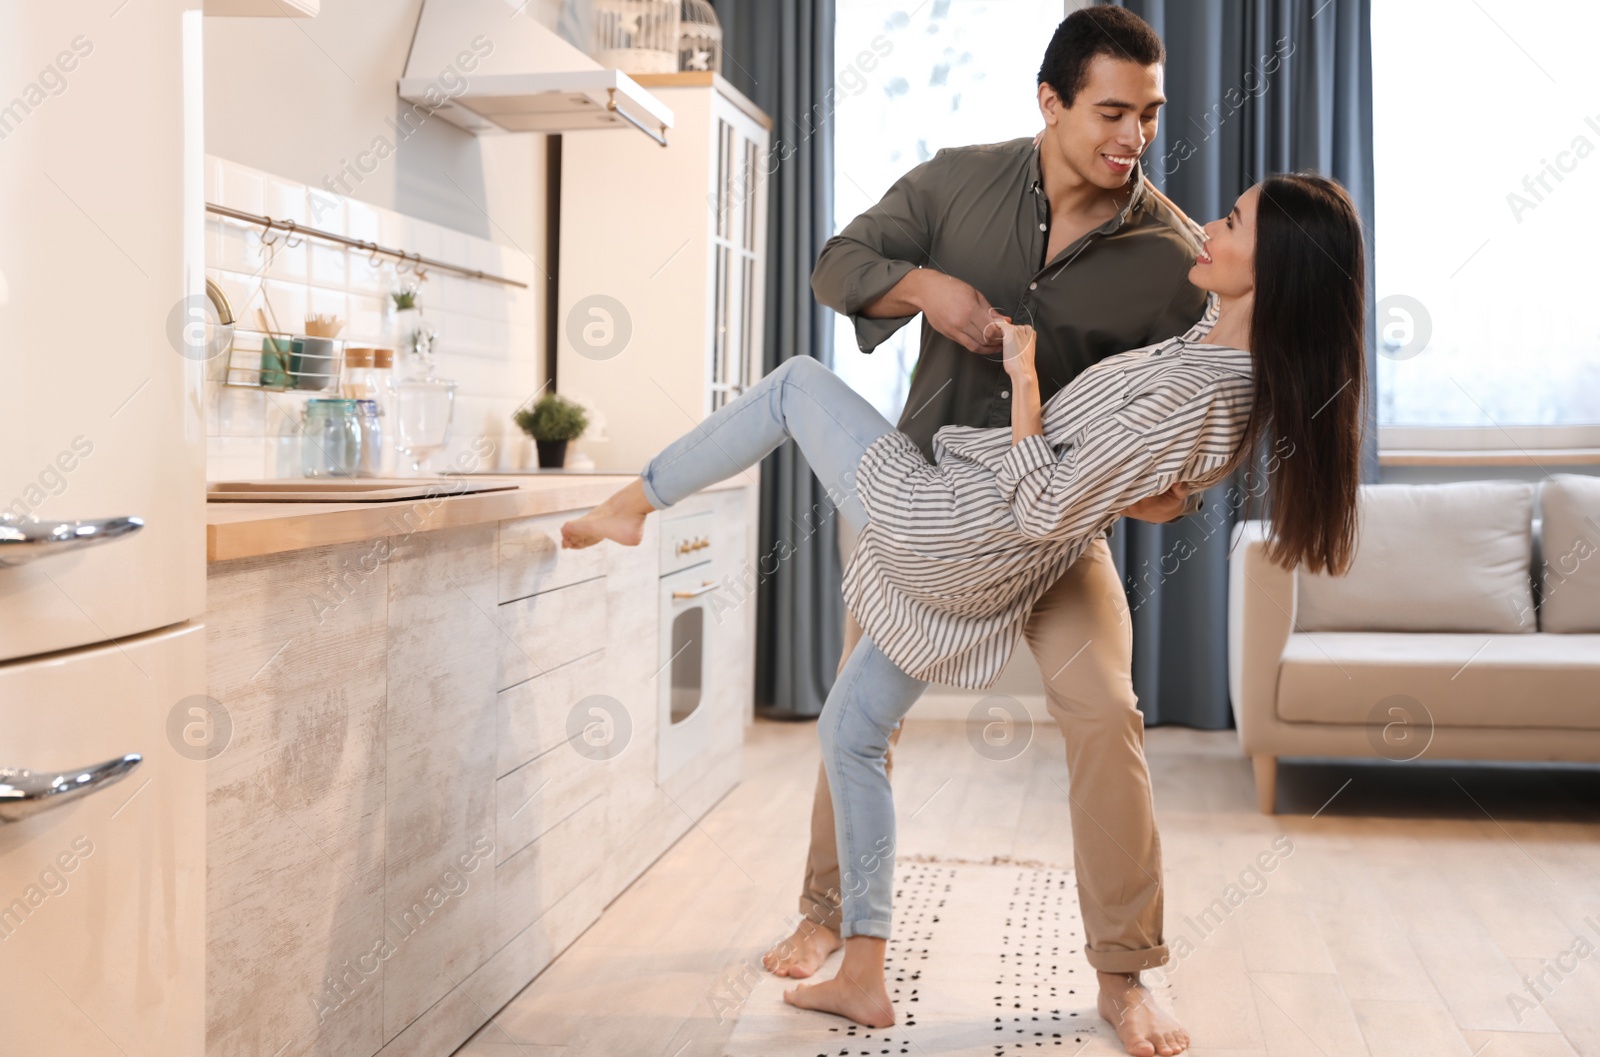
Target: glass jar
369 416
330 444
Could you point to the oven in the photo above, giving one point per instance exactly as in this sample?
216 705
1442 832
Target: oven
690 646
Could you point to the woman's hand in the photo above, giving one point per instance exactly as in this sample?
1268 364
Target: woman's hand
1017 348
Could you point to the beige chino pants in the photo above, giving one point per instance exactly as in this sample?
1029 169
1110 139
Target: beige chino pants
1082 638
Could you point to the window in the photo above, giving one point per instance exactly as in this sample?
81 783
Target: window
914 76
1487 150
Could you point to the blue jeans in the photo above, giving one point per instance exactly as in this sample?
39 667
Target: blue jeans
834 425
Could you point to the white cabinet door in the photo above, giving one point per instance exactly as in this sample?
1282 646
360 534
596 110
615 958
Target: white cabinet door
102 898
101 210
738 252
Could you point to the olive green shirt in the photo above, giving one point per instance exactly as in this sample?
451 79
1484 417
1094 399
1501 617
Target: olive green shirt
980 214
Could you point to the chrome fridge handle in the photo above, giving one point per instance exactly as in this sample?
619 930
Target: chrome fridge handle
24 539
24 792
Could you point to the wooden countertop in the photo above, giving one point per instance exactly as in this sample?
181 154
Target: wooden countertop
249 530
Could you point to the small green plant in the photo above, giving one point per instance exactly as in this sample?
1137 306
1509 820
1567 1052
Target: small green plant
552 417
404 299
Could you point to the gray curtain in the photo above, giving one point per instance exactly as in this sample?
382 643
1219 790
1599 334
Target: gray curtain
780 54
1255 87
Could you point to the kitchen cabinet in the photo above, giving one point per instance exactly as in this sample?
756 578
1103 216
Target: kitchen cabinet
442 769
663 268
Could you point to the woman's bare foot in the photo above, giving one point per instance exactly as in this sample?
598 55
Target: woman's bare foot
803 952
858 993
847 998
1146 1030
619 519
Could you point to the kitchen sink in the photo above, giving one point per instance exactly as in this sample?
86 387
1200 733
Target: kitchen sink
371 490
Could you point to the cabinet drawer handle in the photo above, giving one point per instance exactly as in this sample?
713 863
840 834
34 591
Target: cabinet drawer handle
24 792
703 589
24 539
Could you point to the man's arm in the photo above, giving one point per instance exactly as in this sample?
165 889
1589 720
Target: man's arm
873 270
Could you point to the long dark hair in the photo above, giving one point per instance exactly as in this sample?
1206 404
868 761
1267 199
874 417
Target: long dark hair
1308 353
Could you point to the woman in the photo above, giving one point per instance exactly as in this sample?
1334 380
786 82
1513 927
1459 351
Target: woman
952 556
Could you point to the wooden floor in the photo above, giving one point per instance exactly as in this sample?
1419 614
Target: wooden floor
1416 903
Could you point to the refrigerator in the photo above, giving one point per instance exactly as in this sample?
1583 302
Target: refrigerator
104 722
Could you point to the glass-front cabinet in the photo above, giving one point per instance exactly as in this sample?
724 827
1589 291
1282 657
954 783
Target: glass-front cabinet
736 268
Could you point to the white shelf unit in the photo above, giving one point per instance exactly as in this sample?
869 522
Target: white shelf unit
669 244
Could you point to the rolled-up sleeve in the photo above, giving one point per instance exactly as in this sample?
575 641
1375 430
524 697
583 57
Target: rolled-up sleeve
875 251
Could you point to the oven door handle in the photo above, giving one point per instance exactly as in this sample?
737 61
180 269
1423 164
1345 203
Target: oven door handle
704 589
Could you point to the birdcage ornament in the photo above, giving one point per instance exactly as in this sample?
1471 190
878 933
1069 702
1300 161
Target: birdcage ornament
699 37
636 36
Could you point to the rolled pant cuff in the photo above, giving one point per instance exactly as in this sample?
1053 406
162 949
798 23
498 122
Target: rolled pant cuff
650 490
870 927
1125 961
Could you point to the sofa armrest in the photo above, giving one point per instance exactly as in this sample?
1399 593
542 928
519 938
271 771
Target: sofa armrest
1261 605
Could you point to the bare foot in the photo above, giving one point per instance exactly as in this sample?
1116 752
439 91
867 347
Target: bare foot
1146 1030
866 1004
620 518
803 952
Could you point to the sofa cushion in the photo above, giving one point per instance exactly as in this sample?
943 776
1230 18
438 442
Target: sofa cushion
1569 507
1433 557
1466 680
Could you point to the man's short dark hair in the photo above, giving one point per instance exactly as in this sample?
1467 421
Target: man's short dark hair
1091 31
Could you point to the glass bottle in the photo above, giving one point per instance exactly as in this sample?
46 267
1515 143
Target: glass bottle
368 415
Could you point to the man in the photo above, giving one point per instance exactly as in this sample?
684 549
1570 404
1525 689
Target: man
1061 232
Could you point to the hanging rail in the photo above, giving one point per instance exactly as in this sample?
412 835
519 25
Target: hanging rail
300 230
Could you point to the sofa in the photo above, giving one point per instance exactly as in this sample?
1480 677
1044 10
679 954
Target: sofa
1468 628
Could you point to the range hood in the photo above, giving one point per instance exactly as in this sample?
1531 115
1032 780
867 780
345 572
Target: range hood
489 66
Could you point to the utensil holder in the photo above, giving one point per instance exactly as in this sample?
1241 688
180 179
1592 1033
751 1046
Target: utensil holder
260 359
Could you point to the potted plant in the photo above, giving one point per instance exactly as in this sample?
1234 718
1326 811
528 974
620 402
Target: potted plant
411 333
551 422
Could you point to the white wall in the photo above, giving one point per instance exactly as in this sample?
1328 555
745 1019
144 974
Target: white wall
302 98
298 105
485 329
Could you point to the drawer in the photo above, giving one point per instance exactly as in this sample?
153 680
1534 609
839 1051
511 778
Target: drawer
531 558
539 795
547 630
535 879
531 717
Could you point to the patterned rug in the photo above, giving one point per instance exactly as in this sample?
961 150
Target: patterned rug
986 960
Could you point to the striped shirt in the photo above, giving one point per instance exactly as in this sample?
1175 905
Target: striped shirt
955 553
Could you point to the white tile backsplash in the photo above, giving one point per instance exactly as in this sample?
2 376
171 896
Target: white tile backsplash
486 330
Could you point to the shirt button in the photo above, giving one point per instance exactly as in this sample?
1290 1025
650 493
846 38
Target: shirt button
1005 393
1033 286
1041 227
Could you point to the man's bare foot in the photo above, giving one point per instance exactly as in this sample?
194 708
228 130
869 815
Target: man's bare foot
619 519
865 1003
803 952
1146 1030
